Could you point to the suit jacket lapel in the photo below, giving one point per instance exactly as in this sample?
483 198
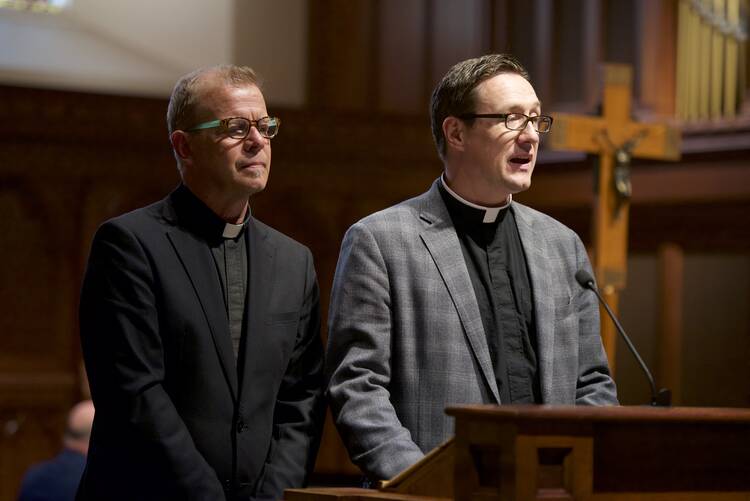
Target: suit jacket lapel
261 255
196 258
535 248
442 242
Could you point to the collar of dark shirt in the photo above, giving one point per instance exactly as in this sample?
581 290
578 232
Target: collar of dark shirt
487 214
195 215
469 215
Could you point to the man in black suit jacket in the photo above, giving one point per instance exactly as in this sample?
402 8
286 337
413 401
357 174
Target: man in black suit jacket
200 324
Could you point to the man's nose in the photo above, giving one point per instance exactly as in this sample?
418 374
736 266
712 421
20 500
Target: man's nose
254 138
529 133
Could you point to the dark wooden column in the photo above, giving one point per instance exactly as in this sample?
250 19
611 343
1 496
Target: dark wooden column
669 353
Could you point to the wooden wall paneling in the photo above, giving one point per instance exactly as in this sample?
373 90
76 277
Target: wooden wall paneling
639 315
575 79
621 35
69 196
541 29
591 55
524 29
568 64
457 32
521 32
700 180
401 57
560 185
658 56
716 325
696 227
669 353
34 287
498 32
332 466
38 117
343 46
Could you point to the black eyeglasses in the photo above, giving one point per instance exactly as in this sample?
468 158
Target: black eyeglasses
516 121
239 127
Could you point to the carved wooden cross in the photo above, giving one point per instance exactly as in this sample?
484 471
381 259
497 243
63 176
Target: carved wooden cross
616 139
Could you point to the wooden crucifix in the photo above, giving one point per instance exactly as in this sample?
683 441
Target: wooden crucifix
616 139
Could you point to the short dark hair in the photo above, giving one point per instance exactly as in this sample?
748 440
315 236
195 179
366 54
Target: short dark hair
185 96
453 95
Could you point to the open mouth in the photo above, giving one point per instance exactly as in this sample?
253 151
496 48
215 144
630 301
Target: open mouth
521 160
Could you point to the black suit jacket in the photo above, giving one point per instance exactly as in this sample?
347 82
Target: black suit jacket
173 419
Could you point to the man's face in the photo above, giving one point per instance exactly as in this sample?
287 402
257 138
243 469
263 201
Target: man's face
498 159
218 163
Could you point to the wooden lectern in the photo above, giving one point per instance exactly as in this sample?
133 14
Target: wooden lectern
576 453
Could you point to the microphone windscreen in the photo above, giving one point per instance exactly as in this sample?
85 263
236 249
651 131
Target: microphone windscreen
584 278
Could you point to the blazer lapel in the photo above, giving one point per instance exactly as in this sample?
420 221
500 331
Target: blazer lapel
535 248
261 255
441 241
196 258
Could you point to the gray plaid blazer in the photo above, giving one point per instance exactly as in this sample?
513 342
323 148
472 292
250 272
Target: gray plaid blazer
406 338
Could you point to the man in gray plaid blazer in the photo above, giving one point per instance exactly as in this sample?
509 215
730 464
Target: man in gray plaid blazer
461 295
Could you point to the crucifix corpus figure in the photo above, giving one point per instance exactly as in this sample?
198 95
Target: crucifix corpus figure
616 139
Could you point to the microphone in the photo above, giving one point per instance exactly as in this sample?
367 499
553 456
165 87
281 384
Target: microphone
661 398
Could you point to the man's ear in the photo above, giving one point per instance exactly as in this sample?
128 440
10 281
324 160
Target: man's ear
181 145
453 131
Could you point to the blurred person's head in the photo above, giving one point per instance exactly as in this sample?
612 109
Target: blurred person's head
78 428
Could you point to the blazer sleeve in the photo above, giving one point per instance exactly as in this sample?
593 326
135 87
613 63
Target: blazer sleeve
124 358
595 385
358 360
300 408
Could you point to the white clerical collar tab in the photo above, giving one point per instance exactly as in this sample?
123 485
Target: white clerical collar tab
232 230
490 213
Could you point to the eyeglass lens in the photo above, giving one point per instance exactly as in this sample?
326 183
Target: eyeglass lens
239 128
517 121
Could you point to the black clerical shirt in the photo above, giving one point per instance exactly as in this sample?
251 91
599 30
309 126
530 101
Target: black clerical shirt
229 250
497 268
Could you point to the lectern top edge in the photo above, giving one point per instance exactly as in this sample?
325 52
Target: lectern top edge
572 413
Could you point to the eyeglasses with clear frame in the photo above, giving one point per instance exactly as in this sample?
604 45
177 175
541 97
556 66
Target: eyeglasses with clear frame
516 121
239 127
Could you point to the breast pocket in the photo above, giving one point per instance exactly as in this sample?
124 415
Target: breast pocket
277 342
283 318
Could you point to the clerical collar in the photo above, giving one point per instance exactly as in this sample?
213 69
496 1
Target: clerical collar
232 230
490 213
196 215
